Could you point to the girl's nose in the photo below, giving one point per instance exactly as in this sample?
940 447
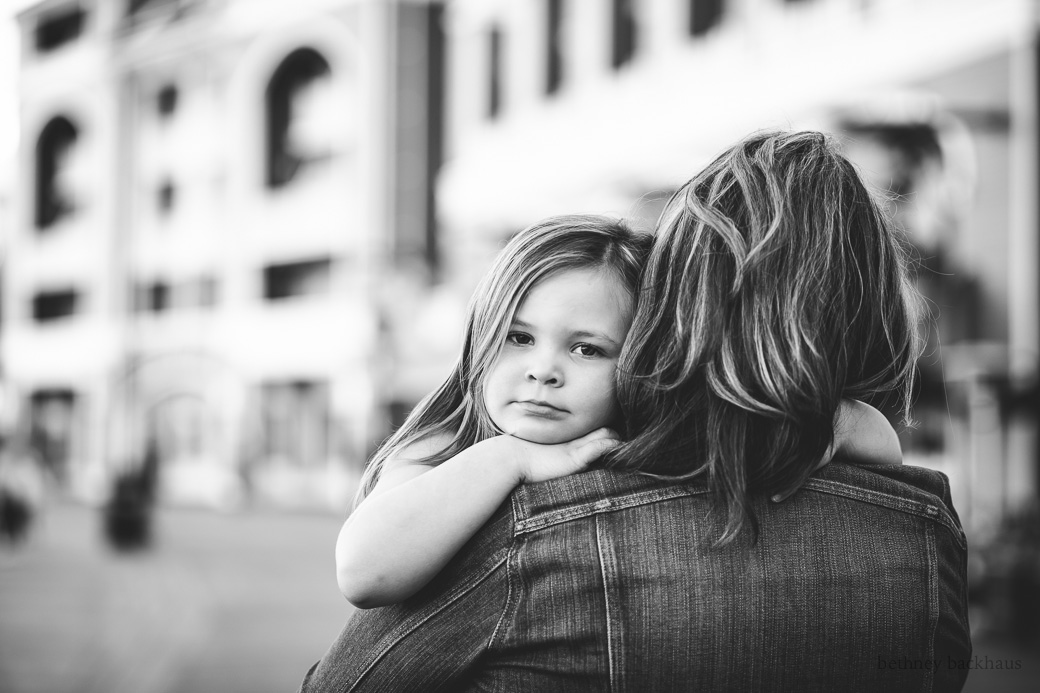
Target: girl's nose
546 372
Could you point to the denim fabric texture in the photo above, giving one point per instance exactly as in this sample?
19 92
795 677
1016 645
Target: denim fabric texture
605 581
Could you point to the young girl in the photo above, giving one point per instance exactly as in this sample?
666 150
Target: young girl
531 398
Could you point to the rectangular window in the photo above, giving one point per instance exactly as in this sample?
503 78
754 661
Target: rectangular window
623 22
206 292
158 297
296 422
165 197
54 305
704 15
153 297
494 104
554 46
297 279
166 100
59 29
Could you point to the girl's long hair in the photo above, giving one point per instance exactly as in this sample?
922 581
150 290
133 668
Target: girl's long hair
775 288
457 408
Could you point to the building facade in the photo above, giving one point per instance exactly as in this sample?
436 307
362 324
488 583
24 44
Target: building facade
226 252
215 202
606 106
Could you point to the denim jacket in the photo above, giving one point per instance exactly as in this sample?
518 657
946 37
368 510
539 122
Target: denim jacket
605 581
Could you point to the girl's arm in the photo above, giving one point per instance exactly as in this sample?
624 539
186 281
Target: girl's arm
863 434
417 517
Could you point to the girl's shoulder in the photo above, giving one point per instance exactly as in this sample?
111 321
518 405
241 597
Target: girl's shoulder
410 461
418 451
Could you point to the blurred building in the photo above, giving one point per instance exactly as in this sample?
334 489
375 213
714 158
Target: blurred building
219 205
609 105
225 253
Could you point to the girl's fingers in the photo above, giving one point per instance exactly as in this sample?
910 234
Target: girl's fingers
598 434
593 450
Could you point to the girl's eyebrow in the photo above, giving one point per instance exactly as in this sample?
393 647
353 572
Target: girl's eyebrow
595 335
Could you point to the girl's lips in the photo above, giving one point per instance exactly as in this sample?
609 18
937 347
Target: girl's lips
541 409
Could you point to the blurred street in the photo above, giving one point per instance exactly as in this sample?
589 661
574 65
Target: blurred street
243 602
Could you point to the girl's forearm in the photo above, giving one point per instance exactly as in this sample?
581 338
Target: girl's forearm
863 434
397 540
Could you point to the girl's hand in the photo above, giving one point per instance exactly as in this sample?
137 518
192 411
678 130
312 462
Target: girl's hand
863 434
536 462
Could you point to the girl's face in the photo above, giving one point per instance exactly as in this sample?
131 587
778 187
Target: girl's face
554 378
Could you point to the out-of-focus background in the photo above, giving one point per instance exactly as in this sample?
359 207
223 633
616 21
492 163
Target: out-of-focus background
238 237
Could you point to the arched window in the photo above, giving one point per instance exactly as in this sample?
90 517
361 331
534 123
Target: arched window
54 180
297 126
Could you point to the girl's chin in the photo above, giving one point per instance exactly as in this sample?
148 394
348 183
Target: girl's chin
543 440
545 437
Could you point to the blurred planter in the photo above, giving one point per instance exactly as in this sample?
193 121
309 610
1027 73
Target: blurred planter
16 514
21 494
129 512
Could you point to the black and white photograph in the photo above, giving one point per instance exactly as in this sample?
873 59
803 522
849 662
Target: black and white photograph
519 345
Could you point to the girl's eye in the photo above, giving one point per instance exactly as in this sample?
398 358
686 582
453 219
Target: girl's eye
588 350
519 338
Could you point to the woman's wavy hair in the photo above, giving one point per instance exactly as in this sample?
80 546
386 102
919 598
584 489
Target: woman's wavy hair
553 245
775 288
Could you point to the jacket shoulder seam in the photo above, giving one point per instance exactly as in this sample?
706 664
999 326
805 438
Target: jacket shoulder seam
935 512
608 504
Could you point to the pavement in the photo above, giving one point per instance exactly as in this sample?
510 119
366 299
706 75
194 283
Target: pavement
220 603
224 603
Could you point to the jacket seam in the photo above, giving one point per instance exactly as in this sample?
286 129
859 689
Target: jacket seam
408 631
603 505
510 560
933 603
948 495
935 513
605 565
